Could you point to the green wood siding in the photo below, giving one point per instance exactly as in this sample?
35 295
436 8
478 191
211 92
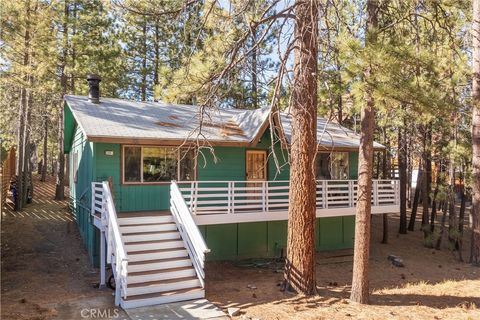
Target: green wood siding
353 165
269 239
80 190
69 129
230 163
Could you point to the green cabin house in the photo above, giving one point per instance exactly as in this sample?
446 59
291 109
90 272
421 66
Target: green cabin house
148 178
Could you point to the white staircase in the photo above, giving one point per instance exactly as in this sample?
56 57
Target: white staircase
156 257
159 268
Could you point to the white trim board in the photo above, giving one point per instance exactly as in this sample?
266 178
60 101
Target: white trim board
210 219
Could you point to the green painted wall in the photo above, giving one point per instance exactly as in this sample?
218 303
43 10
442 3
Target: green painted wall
80 190
230 163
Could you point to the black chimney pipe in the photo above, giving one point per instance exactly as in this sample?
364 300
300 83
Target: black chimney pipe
94 88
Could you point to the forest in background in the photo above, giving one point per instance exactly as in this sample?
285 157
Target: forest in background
239 54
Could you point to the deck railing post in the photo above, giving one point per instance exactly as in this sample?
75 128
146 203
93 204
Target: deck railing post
325 193
231 197
350 193
396 191
192 191
375 192
102 259
264 196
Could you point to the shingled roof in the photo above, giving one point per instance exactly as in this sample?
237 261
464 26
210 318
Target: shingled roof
124 121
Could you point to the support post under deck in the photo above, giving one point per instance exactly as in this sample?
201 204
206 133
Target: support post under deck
102 260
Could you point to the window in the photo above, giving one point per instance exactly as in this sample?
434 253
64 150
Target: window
157 164
332 166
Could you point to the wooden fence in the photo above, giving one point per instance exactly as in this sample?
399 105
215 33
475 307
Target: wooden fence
7 170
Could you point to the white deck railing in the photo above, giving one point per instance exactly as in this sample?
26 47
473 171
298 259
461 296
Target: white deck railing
191 236
102 202
213 202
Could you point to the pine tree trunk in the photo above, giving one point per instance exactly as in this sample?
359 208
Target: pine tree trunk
409 168
156 47
45 151
442 225
300 264
143 85
28 150
475 242
73 55
416 196
461 221
402 172
451 208
254 73
427 178
360 282
60 184
22 114
433 215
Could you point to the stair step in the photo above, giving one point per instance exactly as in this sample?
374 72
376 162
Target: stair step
162 286
160 264
163 297
149 255
153 245
150 236
145 220
158 275
140 228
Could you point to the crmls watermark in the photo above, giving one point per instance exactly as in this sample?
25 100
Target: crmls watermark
97 313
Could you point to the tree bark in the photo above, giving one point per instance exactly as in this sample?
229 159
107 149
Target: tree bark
143 85
300 264
433 215
45 150
409 166
461 221
156 47
475 242
360 282
23 110
451 208
416 196
427 178
442 225
254 72
402 172
60 184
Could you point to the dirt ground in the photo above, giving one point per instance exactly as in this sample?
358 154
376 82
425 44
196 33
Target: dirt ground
46 274
432 285
44 265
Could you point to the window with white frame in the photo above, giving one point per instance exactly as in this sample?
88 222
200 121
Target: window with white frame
157 164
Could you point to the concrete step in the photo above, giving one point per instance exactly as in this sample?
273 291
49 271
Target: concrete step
153 245
161 298
148 255
158 275
150 236
160 264
162 286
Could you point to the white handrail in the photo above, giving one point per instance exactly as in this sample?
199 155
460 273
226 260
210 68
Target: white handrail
116 253
191 236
